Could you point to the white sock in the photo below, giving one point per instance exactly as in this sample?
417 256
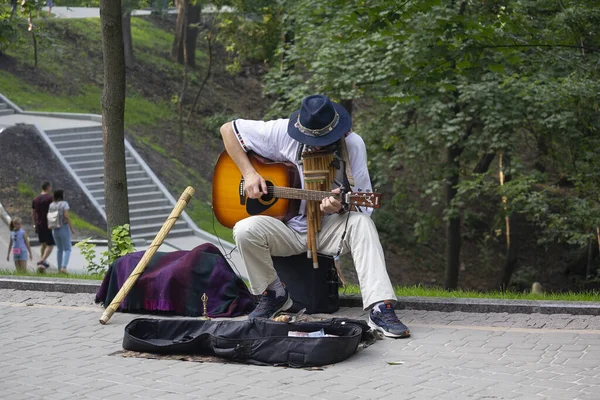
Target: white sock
377 306
278 287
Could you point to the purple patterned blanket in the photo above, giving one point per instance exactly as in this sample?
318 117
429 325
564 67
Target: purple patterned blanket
174 282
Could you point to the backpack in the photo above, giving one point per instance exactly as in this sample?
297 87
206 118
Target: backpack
54 217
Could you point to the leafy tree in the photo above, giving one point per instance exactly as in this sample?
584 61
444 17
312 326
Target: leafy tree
444 87
253 30
8 28
10 25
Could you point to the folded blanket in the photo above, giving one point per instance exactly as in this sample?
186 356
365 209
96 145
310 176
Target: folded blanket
175 282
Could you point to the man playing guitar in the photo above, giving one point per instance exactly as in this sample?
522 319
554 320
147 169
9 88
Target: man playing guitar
319 123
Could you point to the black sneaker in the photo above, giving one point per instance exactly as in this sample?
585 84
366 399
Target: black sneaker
269 305
384 320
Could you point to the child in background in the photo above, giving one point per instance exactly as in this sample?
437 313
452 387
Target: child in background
19 245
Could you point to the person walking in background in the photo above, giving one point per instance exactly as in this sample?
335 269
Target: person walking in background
60 223
19 245
39 212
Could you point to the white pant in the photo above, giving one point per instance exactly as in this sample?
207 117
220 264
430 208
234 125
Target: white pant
260 237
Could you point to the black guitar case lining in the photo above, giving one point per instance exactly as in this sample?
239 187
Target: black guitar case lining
259 342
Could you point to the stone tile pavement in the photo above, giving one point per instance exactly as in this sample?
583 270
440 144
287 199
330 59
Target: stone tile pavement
53 347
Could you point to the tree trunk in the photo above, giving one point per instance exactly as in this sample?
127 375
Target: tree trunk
347 104
190 13
208 69
35 52
453 225
510 265
177 48
113 115
127 40
578 266
484 163
512 240
193 21
453 237
183 87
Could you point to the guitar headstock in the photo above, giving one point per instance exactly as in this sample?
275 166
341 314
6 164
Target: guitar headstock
363 199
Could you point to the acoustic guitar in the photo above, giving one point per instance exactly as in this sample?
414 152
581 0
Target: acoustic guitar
231 204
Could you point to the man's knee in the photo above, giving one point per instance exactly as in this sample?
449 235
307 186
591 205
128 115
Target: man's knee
362 220
245 229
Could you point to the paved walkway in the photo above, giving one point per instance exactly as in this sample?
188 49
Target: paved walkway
52 347
83 12
46 123
94 12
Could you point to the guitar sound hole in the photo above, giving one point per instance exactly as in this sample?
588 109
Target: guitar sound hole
267 198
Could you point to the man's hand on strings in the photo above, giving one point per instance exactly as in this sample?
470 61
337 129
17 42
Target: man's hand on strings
254 185
331 205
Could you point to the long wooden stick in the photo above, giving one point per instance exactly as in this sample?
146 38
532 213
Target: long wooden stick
160 237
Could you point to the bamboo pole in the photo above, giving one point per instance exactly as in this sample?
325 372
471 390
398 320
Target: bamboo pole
160 237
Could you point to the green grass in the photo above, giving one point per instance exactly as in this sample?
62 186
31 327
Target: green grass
203 216
138 110
414 291
153 46
26 190
64 61
421 291
8 272
79 223
32 99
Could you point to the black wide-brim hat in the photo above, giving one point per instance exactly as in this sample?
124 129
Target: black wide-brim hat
319 122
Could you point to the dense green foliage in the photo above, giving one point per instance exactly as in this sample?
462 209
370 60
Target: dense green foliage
441 89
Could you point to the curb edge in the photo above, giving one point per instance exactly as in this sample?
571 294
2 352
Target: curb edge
412 303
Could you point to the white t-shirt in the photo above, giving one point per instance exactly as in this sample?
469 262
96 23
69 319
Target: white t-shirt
271 140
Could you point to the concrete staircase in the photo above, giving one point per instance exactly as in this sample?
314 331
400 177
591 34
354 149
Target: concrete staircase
149 206
5 109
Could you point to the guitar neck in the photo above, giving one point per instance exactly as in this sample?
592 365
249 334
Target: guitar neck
300 194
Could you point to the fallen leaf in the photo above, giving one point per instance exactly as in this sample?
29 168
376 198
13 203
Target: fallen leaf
395 362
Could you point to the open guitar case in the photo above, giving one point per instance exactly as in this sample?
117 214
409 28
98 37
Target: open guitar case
258 342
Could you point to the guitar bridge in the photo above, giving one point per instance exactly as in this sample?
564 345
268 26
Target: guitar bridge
241 190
